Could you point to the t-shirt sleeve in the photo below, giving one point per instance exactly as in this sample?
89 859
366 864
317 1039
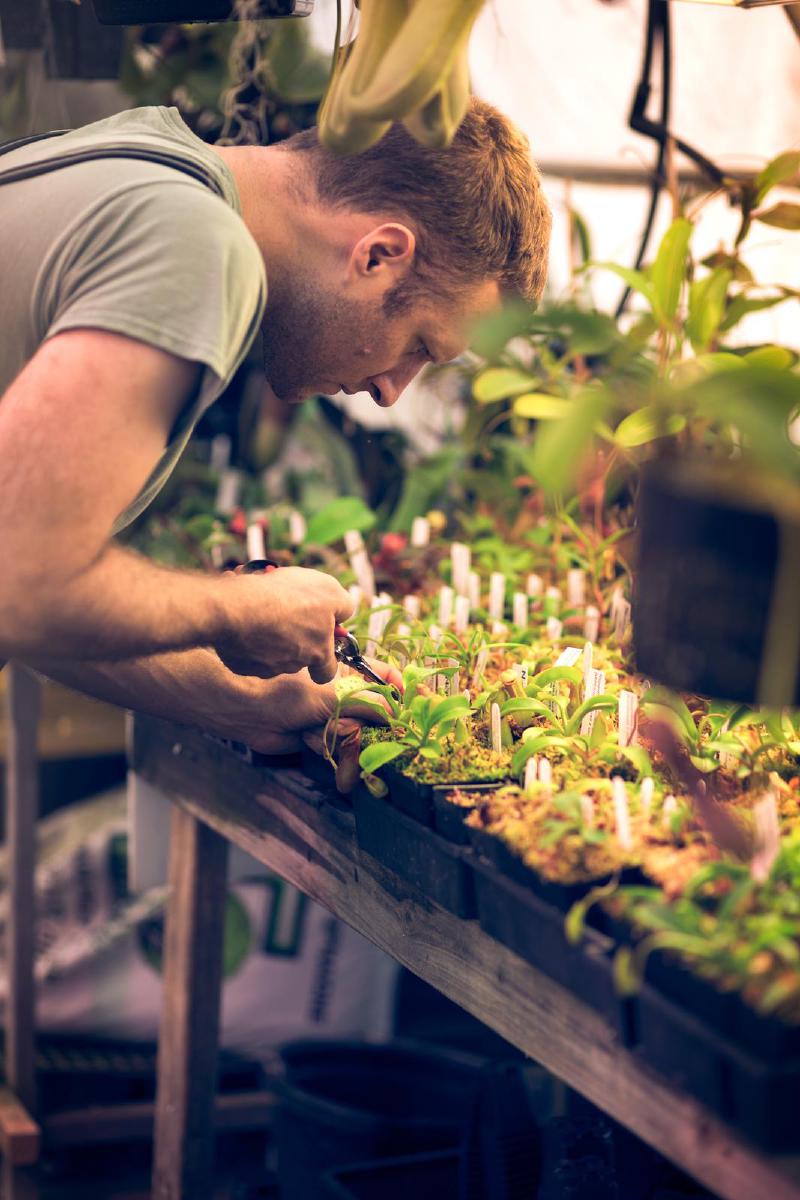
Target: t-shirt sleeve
166 262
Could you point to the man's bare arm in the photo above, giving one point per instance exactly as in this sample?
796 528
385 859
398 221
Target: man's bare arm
194 688
81 429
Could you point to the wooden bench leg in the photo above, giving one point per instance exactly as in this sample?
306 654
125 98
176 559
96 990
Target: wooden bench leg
187 1048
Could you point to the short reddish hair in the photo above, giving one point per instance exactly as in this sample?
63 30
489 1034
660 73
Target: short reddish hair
477 207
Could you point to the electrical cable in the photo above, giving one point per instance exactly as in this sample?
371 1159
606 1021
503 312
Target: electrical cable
658 24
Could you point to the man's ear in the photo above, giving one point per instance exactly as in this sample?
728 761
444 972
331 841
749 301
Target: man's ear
388 247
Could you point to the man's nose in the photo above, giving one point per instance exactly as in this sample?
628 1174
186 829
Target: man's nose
392 384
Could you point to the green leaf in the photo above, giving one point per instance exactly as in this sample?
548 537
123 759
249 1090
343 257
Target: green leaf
669 269
448 709
593 704
550 675
347 512
499 383
560 445
740 272
783 216
636 280
778 357
639 758
627 980
667 699
538 406
781 169
740 306
647 424
373 757
707 298
529 707
491 333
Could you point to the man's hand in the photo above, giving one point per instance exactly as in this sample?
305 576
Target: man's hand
273 716
283 621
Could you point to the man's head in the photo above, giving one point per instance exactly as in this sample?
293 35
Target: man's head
406 247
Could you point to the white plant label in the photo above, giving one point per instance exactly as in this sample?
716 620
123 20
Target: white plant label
646 789
480 666
420 532
359 562
622 814
228 489
587 811
531 773
446 599
403 630
256 542
576 587
499 629
521 671
497 729
768 837
545 773
553 629
588 659
668 809
435 633
591 624
220 452
534 585
452 683
628 708
520 610
474 590
622 619
568 657
378 620
461 621
497 596
297 527
412 605
594 685
461 564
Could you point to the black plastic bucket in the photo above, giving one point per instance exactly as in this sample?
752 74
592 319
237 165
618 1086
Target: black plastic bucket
349 1102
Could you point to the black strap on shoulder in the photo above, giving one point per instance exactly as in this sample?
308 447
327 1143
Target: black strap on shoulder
163 157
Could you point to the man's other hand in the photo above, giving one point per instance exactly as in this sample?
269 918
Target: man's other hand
280 622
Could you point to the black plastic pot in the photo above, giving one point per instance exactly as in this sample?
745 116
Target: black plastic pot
534 930
421 1176
763 1101
711 546
151 12
415 854
349 1102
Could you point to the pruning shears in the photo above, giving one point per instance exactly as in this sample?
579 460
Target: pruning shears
346 648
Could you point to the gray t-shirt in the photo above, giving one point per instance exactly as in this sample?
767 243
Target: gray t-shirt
134 247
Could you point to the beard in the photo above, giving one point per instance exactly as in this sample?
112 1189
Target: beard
307 331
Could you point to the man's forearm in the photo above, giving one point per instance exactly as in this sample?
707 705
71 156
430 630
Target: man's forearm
191 686
123 606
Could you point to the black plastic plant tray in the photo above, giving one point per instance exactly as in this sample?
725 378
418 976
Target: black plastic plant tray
765 1038
448 819
417 855
416 799
518 918
688 1052
763 1101
561 895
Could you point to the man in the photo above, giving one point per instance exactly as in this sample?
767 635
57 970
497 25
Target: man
131 291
